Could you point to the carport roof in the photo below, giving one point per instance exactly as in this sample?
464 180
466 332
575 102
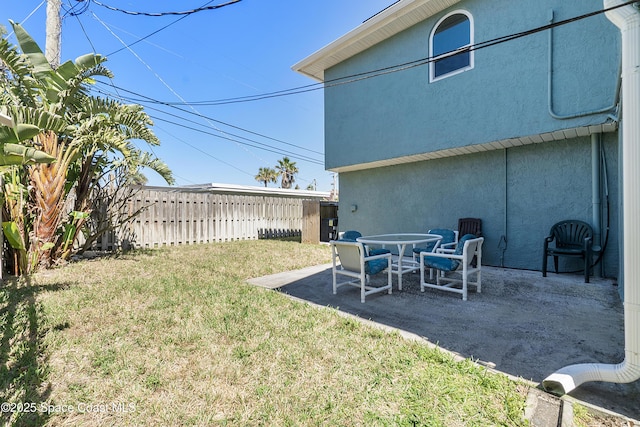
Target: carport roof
392 20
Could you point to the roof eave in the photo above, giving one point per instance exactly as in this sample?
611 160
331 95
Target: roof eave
391 21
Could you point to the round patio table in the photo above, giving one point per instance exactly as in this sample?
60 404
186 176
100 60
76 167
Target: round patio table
401 240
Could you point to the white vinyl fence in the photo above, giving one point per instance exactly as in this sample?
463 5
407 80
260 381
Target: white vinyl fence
175 217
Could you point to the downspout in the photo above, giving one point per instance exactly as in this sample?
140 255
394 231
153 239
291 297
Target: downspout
627 18
596 190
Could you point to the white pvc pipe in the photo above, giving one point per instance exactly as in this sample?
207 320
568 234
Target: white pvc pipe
627 18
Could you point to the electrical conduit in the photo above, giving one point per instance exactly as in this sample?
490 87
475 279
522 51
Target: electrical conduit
627 19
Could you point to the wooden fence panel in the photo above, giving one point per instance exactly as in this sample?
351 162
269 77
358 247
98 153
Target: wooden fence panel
188 217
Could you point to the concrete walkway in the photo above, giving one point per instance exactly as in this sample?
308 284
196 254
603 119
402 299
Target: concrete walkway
521 324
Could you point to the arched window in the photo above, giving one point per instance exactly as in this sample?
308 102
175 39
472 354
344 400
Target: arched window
453 33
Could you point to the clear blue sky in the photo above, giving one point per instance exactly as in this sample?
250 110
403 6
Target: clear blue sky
244 49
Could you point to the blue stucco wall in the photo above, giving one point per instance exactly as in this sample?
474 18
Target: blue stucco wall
505 95
518 192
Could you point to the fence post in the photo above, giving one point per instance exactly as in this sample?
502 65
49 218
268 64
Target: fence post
310 221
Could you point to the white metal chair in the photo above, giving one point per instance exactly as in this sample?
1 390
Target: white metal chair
450 263
356 264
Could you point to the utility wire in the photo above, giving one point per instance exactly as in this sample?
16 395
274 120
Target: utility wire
239 143
29 15
157 31
206 153
157 76
279 152
227 135
186 12
148 100
77 16
77 9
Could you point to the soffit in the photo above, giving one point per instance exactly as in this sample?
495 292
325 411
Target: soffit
396 18
478 148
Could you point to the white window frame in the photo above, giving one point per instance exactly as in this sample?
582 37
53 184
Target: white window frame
432 63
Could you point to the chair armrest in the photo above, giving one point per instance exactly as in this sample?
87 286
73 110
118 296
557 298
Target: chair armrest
448 245
372 257
439 255
444 251
549 239
588 245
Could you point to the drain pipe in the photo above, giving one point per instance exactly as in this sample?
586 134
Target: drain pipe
596 190
627 18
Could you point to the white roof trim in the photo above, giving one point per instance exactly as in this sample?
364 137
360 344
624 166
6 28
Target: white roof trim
243 189
490 146
396 18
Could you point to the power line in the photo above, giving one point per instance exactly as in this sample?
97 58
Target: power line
260 146
156 14
206 153
155 32
76 10
227 135
156 74
265 148
146 99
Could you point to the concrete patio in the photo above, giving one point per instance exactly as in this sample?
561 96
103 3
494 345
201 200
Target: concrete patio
521 324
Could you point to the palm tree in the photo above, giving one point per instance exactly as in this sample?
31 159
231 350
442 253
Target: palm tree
86 135
287 170
267 175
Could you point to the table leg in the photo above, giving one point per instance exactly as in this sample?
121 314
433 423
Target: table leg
401 248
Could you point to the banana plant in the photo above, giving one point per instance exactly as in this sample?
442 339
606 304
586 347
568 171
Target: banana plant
80 132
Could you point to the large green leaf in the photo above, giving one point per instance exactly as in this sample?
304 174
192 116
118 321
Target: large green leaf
30 118
14 154
29 47
89 60
13 235
21 132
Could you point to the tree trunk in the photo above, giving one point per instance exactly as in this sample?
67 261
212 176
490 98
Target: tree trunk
48 181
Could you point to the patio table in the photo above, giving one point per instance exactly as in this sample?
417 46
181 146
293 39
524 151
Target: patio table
401 266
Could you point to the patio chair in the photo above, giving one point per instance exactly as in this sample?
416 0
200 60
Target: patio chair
572 238
352 235
452 263
470 226
355 264
449 241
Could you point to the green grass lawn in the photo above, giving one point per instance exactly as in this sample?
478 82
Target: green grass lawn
175 336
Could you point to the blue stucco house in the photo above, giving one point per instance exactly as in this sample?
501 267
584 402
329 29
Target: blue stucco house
442 109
